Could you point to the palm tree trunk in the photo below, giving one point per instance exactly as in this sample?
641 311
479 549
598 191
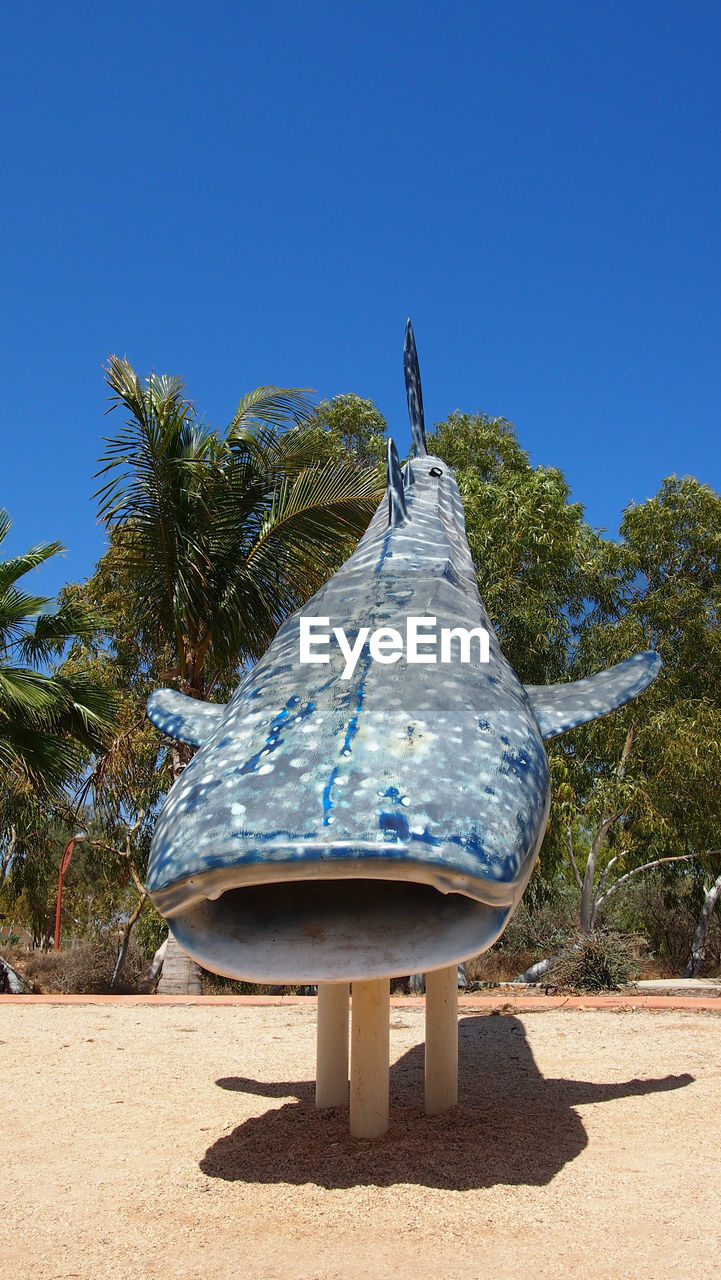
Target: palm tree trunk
180 975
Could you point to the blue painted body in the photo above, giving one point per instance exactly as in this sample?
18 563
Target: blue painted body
339 829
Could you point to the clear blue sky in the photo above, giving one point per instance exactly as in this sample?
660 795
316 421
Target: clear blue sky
262 192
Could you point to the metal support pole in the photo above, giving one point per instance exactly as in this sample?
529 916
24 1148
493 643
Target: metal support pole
331 1075
441 1040
370 1048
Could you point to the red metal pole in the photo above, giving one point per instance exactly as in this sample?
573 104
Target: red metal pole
64 864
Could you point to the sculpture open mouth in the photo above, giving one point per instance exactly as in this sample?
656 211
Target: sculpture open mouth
334 930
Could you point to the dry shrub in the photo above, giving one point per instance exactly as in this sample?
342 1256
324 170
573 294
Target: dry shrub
534 932
601 962
85 969
214 984
496 965
666 912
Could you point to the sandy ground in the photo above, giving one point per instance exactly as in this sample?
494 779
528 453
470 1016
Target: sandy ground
182 1141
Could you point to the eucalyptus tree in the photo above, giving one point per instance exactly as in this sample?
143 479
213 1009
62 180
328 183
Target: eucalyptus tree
638 788
350 426
645 780
540 566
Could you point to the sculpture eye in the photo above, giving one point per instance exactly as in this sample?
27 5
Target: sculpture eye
435 471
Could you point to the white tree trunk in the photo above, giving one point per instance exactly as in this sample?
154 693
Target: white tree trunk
12 981
698 946
152 973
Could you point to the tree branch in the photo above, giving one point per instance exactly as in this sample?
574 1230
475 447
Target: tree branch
7 856
604 874
627 746
588 897
574 865
679 857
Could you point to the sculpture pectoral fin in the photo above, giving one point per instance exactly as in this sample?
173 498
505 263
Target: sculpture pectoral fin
560 707
185 719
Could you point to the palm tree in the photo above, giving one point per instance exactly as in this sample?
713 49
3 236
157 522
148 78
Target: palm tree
221 535
224 535
53 718
49 719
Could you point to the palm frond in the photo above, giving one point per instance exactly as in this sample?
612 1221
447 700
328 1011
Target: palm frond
47 758
299 536
301 509
48 723
223 535
16 566
272 406
17 610
52 632
91 710
32 694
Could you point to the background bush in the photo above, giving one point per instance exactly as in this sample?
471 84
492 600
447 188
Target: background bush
535 931
85 969
603 962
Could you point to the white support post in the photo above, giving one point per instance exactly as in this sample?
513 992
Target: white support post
370 1049
331 1077
441 1040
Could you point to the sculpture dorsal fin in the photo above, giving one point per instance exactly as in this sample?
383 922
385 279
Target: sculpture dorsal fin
186 719
397 510
560 707
413 391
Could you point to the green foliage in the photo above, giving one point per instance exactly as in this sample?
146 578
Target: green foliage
34 842
213 539
651 769
603 962
540 567
50 720
220 536
664 907
150 931
348 426
566 603
540 929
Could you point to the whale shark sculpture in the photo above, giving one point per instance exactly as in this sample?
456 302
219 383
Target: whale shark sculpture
338 827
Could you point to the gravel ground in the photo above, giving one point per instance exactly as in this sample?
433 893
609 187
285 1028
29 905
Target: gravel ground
143 1142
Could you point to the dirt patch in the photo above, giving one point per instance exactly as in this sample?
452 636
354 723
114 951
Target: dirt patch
181 1141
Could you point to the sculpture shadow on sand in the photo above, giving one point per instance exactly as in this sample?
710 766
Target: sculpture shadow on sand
511 1127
